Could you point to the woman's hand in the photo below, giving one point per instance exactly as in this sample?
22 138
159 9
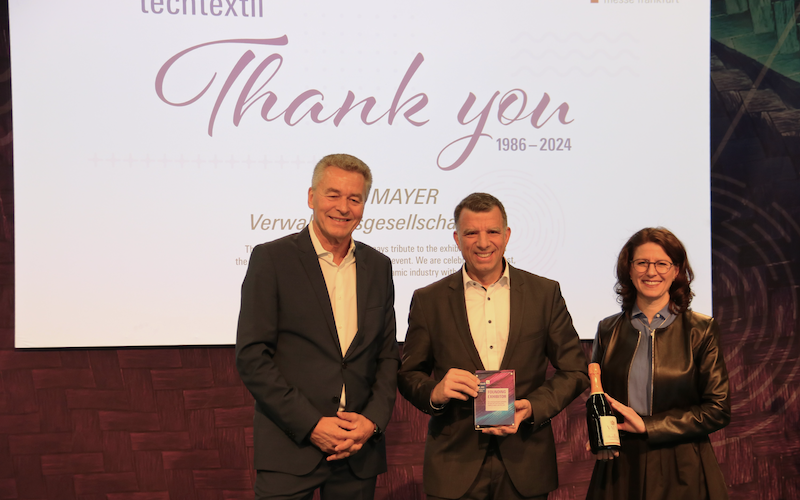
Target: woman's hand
604 455
633 422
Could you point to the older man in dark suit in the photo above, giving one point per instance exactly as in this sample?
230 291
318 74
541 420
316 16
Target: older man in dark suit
316 347
489 316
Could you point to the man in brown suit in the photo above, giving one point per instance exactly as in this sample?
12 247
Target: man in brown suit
489 315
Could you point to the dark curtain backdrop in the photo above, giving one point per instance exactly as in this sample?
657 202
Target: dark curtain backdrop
176 423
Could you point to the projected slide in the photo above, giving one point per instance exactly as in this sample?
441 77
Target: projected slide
156 142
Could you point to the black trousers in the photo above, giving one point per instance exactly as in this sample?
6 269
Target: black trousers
493 482
334 479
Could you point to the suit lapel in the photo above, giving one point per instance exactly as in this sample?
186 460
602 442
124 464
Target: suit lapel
310 261
458 305
516 312
363 278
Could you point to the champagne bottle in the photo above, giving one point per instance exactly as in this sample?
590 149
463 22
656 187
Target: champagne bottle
600 419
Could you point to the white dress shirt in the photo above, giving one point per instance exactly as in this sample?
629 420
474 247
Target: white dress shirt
489 313
341 283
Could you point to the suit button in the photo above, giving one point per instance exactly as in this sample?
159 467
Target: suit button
335 399
344 365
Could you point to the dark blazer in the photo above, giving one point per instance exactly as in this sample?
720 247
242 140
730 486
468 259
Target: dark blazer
288 353
691 399
439 339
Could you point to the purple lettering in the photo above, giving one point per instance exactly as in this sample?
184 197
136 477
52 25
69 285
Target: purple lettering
144 7
215 7
421 103
537 113
477 134
507 100
156 3
267 107
315 110
244 8
162 72
231 8
245 100
177 11
203 7
511 107
348 105
237 69
308 104
369 102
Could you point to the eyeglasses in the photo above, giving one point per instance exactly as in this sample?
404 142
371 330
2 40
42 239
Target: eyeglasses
662 266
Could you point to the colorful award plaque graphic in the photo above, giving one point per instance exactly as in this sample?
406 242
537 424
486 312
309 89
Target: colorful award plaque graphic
494 405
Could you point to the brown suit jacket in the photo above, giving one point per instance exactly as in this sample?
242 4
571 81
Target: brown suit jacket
439 338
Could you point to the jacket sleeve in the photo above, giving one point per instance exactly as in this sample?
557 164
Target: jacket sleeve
598 347
714 410
565 354
384 390
256 341
414 378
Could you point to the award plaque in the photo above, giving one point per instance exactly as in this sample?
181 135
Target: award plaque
494 405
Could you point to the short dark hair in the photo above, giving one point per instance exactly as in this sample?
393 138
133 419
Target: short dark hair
480 202
680 293
346 162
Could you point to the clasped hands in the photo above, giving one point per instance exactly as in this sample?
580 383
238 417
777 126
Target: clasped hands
461 384
343 435
633 423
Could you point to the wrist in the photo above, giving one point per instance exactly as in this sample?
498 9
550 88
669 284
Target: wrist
528 419
377 432
435 406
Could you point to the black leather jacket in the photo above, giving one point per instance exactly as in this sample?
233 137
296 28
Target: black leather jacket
691 398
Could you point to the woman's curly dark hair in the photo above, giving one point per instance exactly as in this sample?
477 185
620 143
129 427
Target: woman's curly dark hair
680 293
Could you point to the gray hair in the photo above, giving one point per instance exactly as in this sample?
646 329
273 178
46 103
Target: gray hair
345 162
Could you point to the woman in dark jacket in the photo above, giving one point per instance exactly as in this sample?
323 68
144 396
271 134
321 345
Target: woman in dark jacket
663 367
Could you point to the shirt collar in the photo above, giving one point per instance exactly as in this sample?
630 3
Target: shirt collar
322 253
505 278
664 313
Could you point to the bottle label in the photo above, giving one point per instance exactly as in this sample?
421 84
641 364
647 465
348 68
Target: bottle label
608 429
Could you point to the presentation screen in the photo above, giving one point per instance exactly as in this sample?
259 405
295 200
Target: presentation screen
156 142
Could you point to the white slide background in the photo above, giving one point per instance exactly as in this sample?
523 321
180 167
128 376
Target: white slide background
152 143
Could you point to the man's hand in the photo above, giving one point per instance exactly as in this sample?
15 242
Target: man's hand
328 434
456 384
522 410
343 435
359 428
